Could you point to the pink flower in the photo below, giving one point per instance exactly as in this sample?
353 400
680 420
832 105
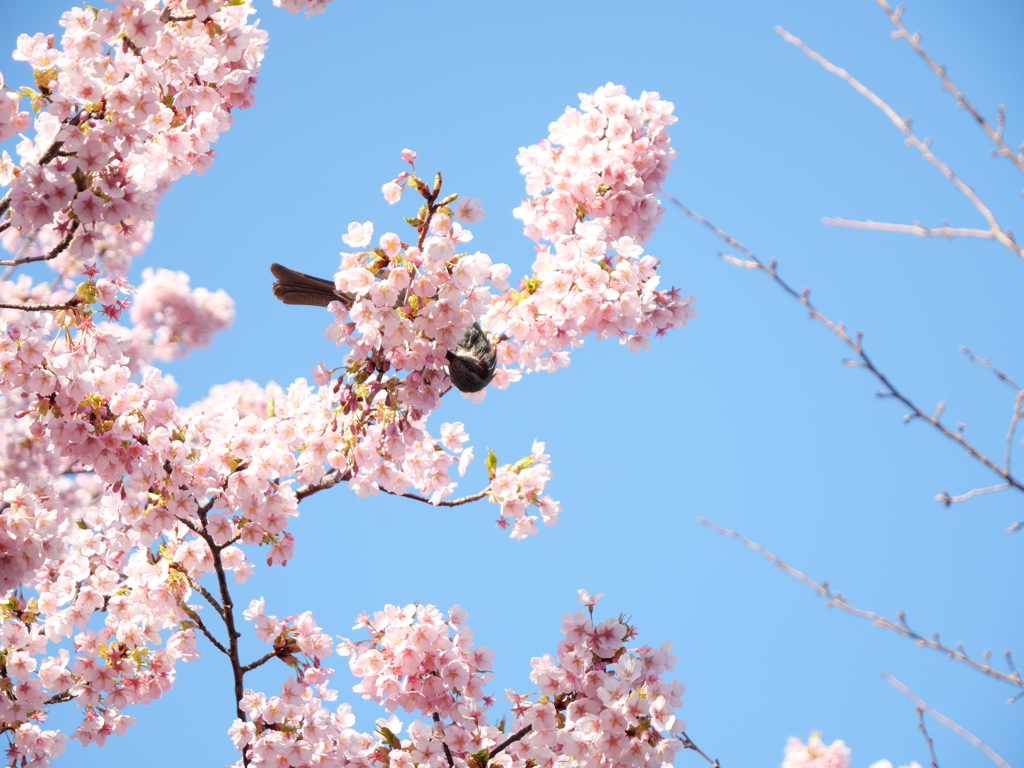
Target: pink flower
469 210
358 234
815 754
321 376
392 192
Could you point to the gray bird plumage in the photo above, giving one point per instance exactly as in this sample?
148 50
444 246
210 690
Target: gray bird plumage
470 365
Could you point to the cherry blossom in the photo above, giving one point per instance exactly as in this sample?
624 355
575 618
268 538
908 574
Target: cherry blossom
124 512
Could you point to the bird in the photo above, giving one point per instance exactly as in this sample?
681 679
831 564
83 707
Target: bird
471 364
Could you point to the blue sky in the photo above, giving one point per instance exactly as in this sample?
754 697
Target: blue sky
746 417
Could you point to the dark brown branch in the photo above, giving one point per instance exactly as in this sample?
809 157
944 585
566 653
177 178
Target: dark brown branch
688 744
227 613
209 598
194 617
856 344
57 250
44 307
509 741
447 750
443 502
902 628
329 480
262 660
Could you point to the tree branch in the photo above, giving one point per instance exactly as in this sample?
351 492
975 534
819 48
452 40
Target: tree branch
688 744
902 628
57 250
261 661
911 229
856 344
952 725
74 302
329 480
927 738
443 502
447 750
509 741
914 40
922 146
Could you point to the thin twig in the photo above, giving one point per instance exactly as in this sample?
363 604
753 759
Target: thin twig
206 593
329 480
856 344
262 660
948 500
985 362
952 725
910 229
902 628
443 502
927 738
57 250
194 617
509 741
922 146
688 744
915 42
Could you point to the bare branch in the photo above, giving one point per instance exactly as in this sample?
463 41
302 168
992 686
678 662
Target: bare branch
209 635
509 741
74 302
688 744
856 344
915 42
57 250
443 502
836 599
329 480
922 146
953 726
910 229
927 738
262 660
946 499
985 362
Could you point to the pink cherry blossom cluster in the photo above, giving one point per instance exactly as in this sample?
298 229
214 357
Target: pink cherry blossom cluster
601 704
131 99
517 487
170 319
297 6
593 186
118 503
605 160
412 303
816 754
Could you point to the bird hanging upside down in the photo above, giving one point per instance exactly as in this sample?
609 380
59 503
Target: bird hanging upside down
470 365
